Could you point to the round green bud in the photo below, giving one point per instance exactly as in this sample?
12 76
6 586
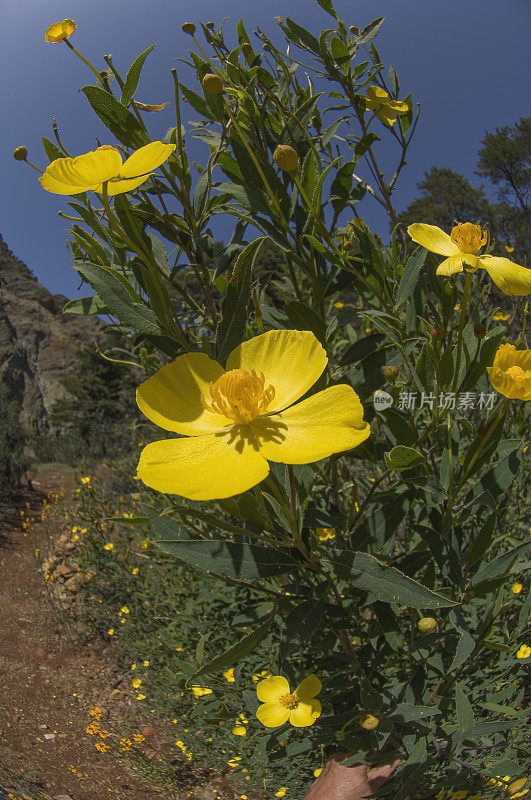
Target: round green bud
354 30
20 153
188 27
286 157
212 83
247 49
369 722
390 372
427 624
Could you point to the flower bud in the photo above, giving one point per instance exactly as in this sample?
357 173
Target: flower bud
390 372
354 30
212 83
286 157
369 722
266 46
437 332
480 331
20 153
188 27
247 49
483 430
427 624
210 25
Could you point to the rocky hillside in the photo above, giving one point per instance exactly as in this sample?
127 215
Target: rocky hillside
38 343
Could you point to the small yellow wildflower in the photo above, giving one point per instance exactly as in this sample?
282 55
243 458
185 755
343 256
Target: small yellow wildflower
280 705
144 544
229 675
500 316
325 534
281 792
194 396
239 730
108 546
145 663
96 712
124 610
509 249
135 571
139 738
86 480
126 744
265 673
524 651
234 762
386 109
369 722
136 683
517 588
339 304
59 31
461 248
515 788
200 691
317 772
111 631
141 696
510 373
101 746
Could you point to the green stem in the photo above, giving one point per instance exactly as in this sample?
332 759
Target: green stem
89 65
464 304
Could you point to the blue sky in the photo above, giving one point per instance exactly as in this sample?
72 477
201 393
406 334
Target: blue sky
464 60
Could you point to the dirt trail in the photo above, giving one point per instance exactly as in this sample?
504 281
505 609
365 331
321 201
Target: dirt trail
47 683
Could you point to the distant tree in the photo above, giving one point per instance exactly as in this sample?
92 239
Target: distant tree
95 419
12 442
447 197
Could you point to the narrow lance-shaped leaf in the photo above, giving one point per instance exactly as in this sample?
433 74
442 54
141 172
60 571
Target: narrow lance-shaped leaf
133 76
235 653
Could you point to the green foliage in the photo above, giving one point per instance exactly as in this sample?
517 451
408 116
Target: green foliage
430 513
13 461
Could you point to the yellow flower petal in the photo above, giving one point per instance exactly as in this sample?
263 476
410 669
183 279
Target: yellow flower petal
172 397
118 186
59 31
455 264
146 159
291 361
434 239
505 360
202 467
511 278
82 172
272 714
306 713
329 422
309 688
271 689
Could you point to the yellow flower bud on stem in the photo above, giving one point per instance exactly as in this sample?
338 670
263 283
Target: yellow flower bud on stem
286 157
369 722
20 153
212 83
427 624
188 27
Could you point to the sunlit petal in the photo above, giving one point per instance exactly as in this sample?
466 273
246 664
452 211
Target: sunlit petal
146 159
305 714
309 688
511 278
271 689
272 715
433 238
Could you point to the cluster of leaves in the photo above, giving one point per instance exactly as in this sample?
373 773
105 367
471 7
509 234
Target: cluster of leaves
429 515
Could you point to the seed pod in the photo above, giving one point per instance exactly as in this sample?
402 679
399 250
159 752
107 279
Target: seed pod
286 157
369 722
390 372
212 83
188 27
427 624
480 331
20 153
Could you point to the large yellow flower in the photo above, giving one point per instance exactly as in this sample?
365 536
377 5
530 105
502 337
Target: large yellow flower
510 373
385 107
279 705
461 247
59 31
238 420
90 170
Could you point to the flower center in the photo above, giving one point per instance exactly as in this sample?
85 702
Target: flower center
516 373
106 147
289 701
240 395
468 237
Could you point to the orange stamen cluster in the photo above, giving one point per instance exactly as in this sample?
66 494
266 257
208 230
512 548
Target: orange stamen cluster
240 395
290 701
516 373
469 237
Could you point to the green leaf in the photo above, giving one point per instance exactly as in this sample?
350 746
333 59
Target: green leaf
369 31
410 275
235 653
52 151
406 712
327 6
304 318
116 117
301 623
133 76
234 309
386 583
465 714
362 348
500 565
364 143
400 458
86 305
299 34
201 191
231 560
465 648
119 297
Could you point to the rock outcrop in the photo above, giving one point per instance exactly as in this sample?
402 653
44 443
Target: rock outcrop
38 343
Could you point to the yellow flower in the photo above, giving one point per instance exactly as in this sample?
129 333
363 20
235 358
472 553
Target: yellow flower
510 373
96 712
265 673
387 109
279 705
281 792
369 722
229 675
145 663
514 788
124 610
111 631
317 772
136 683
239 730
461 247
200 691
88 172
59 31
108 546
235 421
85 480
324 534
517 588
141 697
524 651
135 571
339 304
499 316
